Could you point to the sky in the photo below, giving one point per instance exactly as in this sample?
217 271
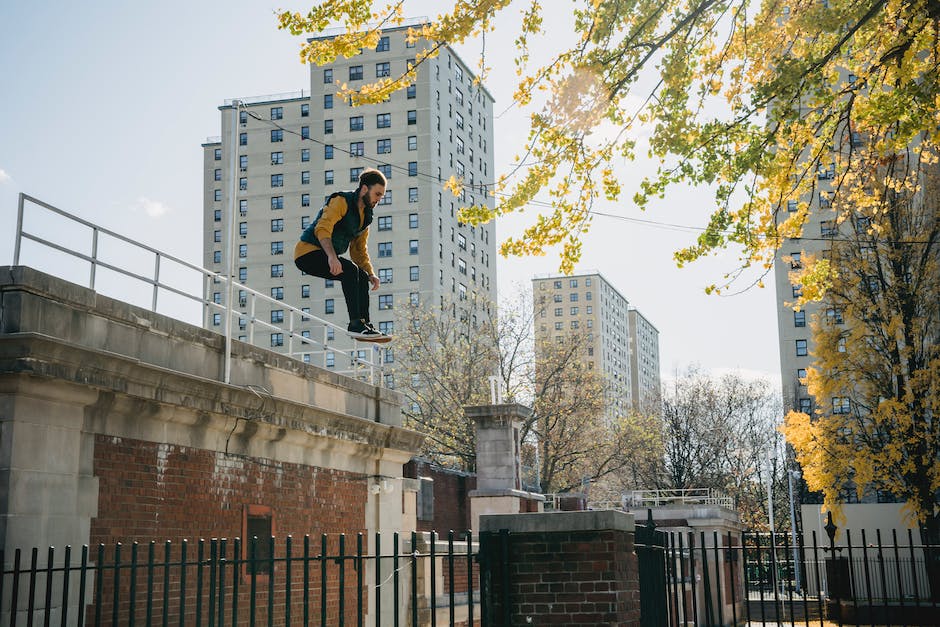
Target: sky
104 105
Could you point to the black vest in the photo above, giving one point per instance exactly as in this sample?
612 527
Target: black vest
346 228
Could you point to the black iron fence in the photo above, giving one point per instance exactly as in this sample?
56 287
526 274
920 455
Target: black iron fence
417 579
762 578
701 578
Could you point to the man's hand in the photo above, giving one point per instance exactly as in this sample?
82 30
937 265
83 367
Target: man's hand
374 280
335 266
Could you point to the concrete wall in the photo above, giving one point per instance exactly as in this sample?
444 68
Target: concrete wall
103 403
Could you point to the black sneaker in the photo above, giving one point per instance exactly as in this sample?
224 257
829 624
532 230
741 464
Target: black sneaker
365 332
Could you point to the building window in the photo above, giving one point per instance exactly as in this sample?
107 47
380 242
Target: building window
304 110
327 127
385 169
357 149
277 180
277 293
218 154
217 256
328 151
327 101
801 375
243 228
834 316
305 200
841 405
305 177
840 345
385 275
801 348
385 223
277 316
354 174
356 123
243 139
328 177
329 305
243 274
412 194
412 220
277 158
355 72
277 339
412 168
799 318
411 92
218 174
277 135
304 132
828 228
412 142
573 297
243 183
383 146
412 117
413 273
805 405
305 155
277 248
383 69
413 247
383 44
414 298
218 194
328 75
797 291
277 113
385 301
385 249
277 270
243 207
330 359
277 225
304 222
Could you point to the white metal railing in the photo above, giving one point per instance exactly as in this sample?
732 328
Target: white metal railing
361 360
691 496
290 95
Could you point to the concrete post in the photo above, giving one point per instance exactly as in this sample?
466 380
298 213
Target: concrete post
499 467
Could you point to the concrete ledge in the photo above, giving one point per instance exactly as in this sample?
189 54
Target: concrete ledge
600 520
507 409
530 496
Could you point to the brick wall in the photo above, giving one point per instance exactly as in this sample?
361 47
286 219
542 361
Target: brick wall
451 496
576 577
150 491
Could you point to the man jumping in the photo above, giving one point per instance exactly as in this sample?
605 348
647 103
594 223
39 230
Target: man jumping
343 224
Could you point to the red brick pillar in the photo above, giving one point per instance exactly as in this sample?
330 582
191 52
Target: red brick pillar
560 568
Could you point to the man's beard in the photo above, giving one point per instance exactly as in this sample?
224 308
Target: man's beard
366 203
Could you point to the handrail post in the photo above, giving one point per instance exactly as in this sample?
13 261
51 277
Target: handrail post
19 229
230 245
156 281
94 257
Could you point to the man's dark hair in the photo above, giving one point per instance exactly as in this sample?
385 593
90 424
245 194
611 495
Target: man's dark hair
370 177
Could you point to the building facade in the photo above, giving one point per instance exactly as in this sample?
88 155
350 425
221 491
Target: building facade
644 362
794 331
293 150
627 354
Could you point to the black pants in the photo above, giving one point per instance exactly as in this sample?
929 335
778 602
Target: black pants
354 280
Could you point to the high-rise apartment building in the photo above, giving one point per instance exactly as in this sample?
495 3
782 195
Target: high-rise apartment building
627 354
645 383
293 150
794 332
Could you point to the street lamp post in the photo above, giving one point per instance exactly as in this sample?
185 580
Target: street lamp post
791 475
